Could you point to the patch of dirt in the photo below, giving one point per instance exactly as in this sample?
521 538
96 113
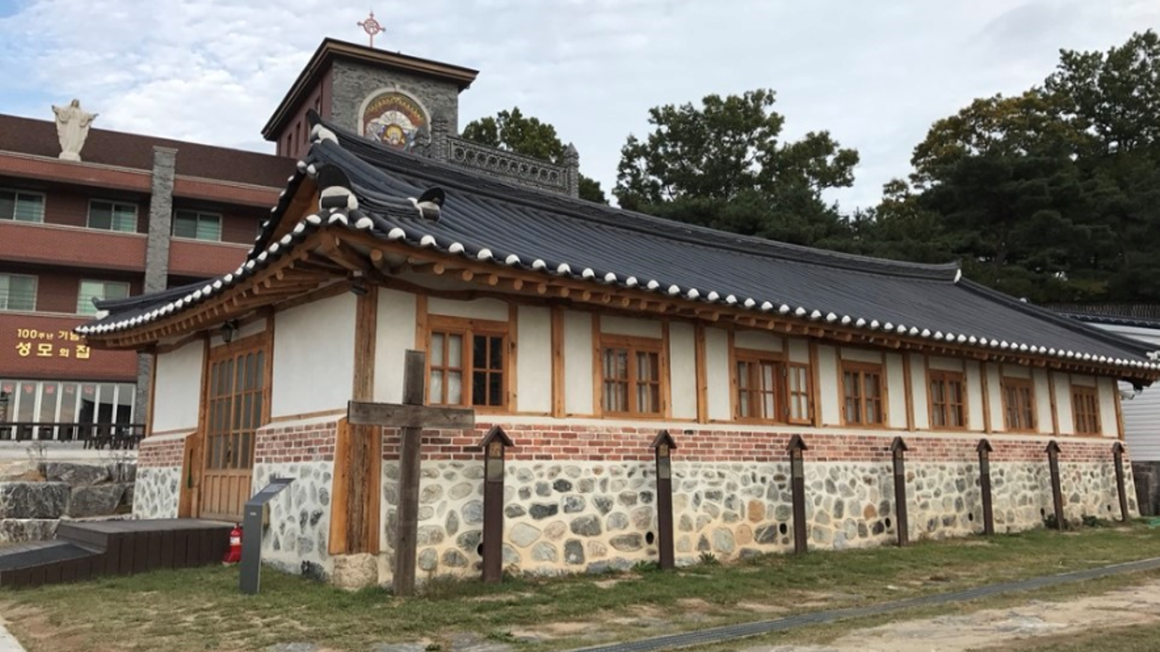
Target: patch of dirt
33 628
608 584
758 608
695 604
1000 628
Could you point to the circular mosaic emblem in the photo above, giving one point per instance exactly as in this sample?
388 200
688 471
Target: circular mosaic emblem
393 119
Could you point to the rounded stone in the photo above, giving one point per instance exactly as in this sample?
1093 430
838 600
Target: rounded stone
543 510
723 540
524 535
555 530
461 490
429 535
561 485
573 552
428 559
454 558
627 542
473 512
514 511
586 526
744 535
545 552
619 521
574 504
430 494
597 550
755 511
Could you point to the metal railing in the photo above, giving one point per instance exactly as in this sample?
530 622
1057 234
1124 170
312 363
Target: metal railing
116 436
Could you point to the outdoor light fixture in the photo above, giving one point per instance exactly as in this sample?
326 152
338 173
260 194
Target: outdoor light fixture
228 329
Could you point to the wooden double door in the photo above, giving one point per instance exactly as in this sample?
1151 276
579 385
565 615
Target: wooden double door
236 403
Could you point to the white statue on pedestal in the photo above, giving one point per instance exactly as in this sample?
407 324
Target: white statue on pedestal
72 127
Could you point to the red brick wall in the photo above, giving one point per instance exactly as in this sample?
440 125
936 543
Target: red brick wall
611 443
190 258
242 228
300 443
161 451
51 245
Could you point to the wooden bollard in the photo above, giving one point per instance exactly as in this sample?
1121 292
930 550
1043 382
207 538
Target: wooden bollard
664 446
1056 490
1118 456
494 443
985 449
898 450
798 485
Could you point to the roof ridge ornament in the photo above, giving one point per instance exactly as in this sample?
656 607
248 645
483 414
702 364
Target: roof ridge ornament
372 27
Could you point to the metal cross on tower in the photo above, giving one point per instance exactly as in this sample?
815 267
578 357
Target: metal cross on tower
371 27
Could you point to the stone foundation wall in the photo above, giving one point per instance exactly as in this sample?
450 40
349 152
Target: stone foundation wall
157 491
298 535
566 511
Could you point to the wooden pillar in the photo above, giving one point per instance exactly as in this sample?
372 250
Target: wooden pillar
797 473
364 444
985 449
410 446
494 444
1118 456
1056 490
664 445
898 450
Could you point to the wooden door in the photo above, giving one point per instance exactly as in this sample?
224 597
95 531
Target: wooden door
236 406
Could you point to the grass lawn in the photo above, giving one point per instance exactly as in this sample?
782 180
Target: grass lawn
201 609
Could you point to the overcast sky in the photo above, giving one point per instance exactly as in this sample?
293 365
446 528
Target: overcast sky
876 74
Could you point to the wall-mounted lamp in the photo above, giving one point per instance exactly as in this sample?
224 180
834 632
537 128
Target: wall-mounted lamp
228 330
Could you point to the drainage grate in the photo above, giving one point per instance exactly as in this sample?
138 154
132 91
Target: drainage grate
732 632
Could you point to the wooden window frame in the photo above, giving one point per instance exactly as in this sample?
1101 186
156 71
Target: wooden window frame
754 357
1007 382
1092 393
633 345
469 328
806 393
946 377
15 201
861 369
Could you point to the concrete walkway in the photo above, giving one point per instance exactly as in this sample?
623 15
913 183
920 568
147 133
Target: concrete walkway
8 642
745 630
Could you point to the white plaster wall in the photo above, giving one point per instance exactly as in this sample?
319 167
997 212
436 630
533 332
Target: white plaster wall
683 370
759 340
490 309
830 390
178 388
534 359
253 328
861 355
717 374
918 386
578 369
395 333
1042 402
616 325
945 364
995 396
799 350
896 390
314 356
1016 371
1063 402
974 389
1108 389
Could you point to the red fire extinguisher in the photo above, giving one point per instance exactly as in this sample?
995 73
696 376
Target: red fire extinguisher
235 553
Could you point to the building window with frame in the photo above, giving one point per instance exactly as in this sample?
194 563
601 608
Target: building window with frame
1019 404
1085 407
21 206
797 376
863 392
197 225
113 216
948 398
468 363
758 387
631 376
101 291
17 292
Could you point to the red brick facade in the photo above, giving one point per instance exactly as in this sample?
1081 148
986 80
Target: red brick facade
313 442
161 451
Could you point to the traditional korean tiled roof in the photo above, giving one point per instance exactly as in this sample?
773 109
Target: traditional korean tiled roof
487 220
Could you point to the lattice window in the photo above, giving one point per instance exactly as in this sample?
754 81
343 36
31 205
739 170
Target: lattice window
947 400
863 391
1085 405
1019 404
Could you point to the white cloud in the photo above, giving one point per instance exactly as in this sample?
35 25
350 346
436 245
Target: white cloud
874 74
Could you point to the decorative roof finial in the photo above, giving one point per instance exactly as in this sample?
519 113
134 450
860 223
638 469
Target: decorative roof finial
371 27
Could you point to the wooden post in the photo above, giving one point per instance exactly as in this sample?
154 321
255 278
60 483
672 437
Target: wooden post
1056 490
985 449
364 443
898 449
410 445
1118 456
664 445
798 486
494 443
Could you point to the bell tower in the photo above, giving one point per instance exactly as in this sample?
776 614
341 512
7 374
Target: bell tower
392 98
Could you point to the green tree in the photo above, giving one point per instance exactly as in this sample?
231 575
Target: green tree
513 132
724 148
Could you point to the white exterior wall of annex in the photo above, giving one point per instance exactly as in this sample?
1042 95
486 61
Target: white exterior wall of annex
1142 412
313 357
177 392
